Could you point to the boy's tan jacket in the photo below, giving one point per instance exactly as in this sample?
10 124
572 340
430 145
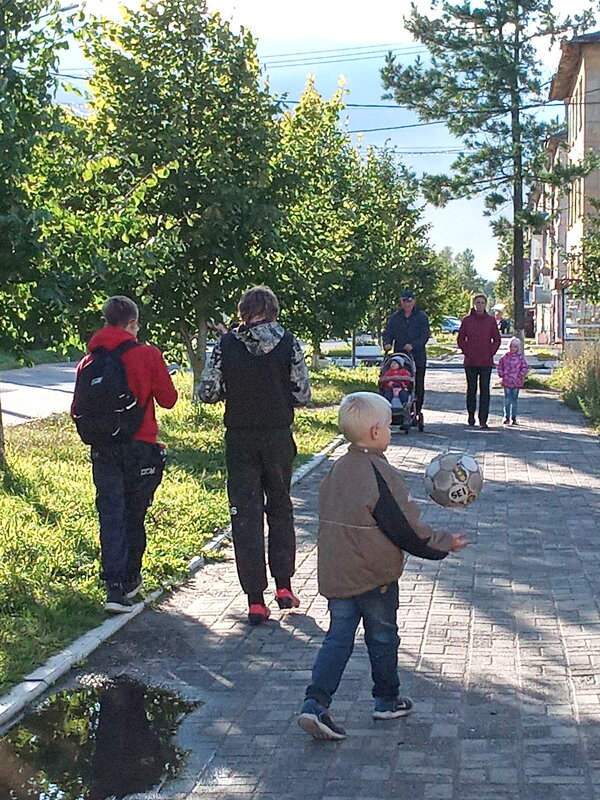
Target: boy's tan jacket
354 555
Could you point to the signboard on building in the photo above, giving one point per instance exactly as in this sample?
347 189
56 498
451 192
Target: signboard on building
540 294
582 319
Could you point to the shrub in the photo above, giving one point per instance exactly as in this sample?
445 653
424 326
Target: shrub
579 382
544 355
535 381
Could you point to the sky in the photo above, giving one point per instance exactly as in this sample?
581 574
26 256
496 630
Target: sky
335 38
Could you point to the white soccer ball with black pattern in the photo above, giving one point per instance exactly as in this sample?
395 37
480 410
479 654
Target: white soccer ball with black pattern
453 479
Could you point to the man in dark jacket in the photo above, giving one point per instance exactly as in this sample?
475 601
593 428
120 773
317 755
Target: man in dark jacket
260 372
127 472
479 340
407 331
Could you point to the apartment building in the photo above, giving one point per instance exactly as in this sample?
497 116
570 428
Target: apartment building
556 246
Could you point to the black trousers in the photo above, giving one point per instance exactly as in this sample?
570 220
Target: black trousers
259 473
482 376
126 475
419 387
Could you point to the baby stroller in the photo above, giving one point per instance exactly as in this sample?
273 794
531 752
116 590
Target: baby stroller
397 384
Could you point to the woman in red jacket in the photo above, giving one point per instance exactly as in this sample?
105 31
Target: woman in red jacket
479 339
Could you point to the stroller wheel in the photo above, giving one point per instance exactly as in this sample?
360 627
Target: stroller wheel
420 423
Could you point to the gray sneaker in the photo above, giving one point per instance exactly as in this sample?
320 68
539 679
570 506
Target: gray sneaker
392 709
316 720
117 601
133 586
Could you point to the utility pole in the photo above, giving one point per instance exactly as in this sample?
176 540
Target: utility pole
517 145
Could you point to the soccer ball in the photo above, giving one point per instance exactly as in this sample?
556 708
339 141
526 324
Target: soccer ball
453 479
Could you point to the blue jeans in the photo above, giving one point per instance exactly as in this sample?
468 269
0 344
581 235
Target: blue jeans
510 403
377 609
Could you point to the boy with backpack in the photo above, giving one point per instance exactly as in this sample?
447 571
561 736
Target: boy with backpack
113 408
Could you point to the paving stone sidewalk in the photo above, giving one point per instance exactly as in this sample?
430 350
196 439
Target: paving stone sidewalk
500 645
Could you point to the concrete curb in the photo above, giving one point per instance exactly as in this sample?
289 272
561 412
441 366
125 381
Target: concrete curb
38 681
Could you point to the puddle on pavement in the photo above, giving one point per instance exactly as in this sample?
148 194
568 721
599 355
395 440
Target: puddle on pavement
110 738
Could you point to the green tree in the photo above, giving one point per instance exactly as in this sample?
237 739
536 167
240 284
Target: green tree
179 102
484 80
30 35
503 288
587 285
465 267
320 269
457 296
87 219
393 239
468 276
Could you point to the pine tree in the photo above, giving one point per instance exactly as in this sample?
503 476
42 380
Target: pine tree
483 78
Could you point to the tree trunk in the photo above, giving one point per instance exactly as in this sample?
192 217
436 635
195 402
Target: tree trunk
2 451
518 271
195 346
378 331
316 350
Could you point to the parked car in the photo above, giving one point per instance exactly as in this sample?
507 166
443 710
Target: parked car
450 325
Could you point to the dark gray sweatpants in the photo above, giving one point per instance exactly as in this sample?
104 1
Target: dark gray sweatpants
259 473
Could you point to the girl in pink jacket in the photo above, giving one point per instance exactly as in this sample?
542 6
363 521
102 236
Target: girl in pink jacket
512 369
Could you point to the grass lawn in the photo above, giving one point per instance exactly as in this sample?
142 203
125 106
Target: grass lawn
32 357
436 349
50 592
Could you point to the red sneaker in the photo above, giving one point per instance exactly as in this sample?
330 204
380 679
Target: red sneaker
285 599
258 613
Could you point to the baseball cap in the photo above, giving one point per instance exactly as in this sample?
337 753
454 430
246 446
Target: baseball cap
407 295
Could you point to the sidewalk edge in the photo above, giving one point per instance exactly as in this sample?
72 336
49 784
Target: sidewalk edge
38 681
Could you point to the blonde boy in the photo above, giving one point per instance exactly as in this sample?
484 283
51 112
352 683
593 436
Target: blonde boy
366 522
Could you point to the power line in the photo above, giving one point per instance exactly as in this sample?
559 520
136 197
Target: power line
285 101
499 111
431 151
393 45
334 60
332 56
397 152
352 57
399 127
493 112
56 74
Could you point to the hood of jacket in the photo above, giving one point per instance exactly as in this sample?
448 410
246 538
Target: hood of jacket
259 338
474 315
110 337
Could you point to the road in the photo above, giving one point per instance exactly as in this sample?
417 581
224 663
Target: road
34 392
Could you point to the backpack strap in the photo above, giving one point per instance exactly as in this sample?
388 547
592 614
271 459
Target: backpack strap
124 347
118 351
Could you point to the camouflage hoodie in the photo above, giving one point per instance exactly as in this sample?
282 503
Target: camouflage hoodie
259 338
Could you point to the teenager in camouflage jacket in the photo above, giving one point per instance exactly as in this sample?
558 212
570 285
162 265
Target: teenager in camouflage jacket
259 371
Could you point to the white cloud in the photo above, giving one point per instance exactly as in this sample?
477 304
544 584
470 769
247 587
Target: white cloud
370 22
